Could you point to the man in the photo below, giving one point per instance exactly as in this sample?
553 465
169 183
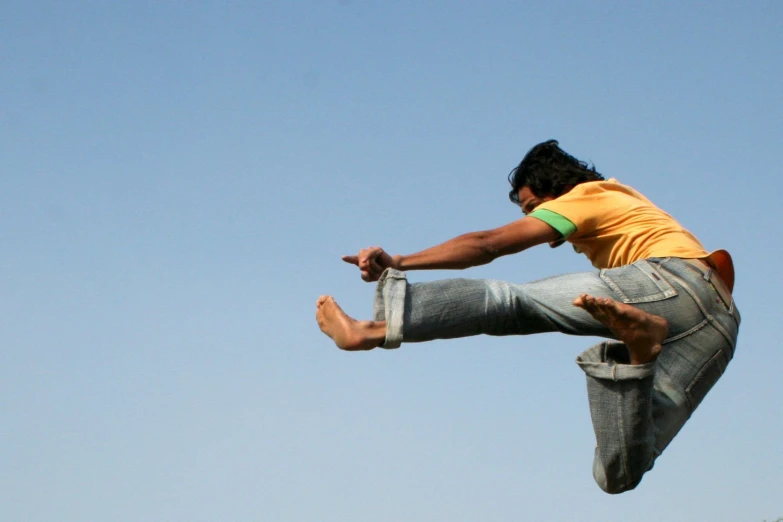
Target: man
663 301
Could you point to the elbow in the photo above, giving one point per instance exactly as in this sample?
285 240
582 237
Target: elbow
496 243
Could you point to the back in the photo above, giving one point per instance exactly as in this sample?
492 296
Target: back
614 225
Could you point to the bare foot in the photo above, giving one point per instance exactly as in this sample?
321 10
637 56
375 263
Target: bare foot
346 332
641 332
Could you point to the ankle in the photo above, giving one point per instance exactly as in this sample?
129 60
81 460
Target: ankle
372 331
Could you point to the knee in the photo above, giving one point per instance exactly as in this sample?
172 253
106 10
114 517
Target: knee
615 484
615 488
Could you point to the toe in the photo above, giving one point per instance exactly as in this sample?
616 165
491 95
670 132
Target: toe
602 303
581 301
591 305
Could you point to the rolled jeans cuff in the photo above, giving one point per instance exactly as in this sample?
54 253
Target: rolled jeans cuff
601 362
389 305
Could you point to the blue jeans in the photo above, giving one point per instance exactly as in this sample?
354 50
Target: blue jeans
636 410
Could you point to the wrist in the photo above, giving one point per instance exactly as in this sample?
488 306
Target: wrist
397 262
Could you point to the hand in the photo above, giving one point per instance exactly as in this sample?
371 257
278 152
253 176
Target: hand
372 261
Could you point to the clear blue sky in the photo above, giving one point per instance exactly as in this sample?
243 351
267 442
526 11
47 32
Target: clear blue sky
179 179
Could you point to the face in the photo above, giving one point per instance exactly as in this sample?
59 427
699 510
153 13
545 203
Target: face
529 201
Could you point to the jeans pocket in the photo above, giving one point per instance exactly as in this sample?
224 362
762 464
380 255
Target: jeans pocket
706 378
639 282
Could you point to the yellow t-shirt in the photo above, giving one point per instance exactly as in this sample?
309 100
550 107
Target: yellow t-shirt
613 225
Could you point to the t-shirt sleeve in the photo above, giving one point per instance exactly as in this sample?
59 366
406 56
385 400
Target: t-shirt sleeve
560 223
580 209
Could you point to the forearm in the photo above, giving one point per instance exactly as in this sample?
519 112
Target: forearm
476 248
465 251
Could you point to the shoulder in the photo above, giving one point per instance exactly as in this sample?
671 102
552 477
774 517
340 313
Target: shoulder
591 191
590 204
606 186
605 191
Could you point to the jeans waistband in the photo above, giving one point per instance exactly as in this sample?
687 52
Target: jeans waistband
713 279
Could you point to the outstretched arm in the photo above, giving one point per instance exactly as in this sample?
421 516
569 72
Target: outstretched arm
467 250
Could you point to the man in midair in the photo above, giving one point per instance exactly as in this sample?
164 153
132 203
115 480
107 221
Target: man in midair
663 302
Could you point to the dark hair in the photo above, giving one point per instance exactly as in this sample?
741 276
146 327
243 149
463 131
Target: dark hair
548 170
